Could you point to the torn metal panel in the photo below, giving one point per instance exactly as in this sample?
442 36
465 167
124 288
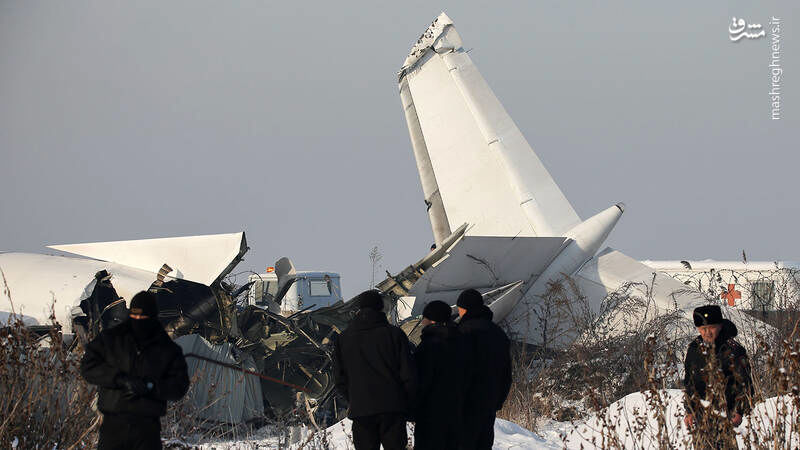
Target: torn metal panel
220 393
399 285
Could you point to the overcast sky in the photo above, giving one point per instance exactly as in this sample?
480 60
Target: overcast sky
130 120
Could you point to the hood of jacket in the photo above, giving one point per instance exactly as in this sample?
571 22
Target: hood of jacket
367 319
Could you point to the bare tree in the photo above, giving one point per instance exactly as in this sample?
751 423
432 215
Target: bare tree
374 256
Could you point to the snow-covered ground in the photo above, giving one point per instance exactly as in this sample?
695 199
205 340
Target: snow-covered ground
632 422
508 436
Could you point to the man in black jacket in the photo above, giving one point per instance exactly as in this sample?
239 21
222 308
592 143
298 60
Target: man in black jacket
715 361
137 369
375 374
489 377
441 364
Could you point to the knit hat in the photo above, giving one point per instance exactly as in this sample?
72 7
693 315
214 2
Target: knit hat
370 299
470 299
144 304
437 311
707 315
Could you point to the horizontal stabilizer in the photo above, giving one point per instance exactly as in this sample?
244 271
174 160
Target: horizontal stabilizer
202 259
483 262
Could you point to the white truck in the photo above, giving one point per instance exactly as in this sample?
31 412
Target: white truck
306 290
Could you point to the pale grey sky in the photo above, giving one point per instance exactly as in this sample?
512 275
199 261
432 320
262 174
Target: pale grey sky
129 120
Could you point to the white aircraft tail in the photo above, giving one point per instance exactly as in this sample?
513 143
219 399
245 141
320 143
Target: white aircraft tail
474 164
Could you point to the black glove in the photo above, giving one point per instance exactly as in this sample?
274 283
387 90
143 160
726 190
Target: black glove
132 386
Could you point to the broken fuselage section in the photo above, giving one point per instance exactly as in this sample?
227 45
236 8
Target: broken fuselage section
285 350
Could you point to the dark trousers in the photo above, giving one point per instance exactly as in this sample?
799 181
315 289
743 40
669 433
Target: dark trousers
478 431
435 436
370 432
129 432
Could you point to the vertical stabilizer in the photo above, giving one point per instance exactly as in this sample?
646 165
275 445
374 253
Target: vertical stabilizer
433 198
470 154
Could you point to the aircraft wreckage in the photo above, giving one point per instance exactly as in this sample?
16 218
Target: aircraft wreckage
223 331
500 223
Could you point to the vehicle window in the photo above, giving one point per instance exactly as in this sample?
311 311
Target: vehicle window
263 291
271 287
319 288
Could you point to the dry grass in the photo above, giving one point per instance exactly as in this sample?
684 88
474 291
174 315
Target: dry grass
44 402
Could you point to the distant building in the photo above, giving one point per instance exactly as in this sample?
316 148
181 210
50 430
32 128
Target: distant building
758 287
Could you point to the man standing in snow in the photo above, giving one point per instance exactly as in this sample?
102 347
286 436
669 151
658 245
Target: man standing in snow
489 378
137 369
717 380
375 375
441 364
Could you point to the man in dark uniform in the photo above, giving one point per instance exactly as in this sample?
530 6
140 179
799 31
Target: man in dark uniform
489 378
718 384
137 369
374 373
441 364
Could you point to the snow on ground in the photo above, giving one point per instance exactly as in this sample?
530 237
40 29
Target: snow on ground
631 422
508 436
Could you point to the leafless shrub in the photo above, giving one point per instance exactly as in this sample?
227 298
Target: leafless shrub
43 400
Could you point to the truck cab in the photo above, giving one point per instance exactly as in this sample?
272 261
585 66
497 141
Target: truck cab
308 290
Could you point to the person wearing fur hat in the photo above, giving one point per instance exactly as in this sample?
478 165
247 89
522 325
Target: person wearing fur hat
441 364
137 369
715 358
489 377
375 374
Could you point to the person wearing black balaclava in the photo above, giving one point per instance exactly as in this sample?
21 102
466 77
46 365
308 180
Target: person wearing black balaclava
137 369
489 377
375 374
719 387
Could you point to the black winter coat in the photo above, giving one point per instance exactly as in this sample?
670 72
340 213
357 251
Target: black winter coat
441 360
116 352
489 379
729 356
373 366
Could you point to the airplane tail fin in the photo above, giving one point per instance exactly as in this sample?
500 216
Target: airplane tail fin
474 164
